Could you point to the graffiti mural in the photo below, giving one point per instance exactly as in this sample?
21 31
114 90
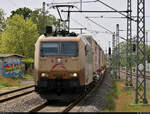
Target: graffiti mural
12 69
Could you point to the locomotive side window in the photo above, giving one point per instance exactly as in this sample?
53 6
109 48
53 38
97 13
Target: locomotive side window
49 49
69 48
59 49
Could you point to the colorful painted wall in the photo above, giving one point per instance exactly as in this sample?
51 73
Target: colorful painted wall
12 68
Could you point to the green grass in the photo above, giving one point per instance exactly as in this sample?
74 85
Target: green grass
111 97
121 100
129 92
28 77
8 82
4 84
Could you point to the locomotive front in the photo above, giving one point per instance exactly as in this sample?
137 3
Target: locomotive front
57 64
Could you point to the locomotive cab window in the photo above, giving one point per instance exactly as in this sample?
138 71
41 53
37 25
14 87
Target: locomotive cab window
69 48
59 49
49 49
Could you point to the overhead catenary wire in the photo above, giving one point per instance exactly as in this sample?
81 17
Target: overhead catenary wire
114 17
104 17
90 20
109 31
102 25
115 10
104 28
71 2
89 29
96 31
92 31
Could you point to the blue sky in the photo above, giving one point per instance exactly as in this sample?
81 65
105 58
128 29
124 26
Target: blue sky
78 19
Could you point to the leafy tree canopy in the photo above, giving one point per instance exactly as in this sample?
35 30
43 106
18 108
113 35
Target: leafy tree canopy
133 58
19 36
148 54
37 17
2 20
25 12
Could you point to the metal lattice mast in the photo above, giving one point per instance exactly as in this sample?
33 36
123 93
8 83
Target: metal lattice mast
141 72
113 55
43 17
130 62
116 57
128 46
118 51
109 53
130 42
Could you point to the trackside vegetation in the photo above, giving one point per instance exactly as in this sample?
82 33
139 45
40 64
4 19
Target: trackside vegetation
121 100
18 35
111 97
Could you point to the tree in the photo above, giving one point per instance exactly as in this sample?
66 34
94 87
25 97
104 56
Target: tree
148 54
19 36
2 23
2 20
37 17
25 12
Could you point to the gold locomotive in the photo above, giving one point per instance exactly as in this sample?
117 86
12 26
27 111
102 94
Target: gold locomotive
65 64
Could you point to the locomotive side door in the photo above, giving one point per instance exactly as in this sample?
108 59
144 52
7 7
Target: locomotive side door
89 65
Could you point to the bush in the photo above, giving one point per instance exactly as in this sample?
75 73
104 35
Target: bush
111 97
28 62
8 81
110 102
4 84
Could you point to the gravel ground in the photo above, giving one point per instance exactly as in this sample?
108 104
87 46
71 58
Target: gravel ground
96 102
27 82
123 76
22 104
22 83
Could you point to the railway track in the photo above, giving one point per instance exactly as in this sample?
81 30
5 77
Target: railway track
81 98
134 74
47 106
6 96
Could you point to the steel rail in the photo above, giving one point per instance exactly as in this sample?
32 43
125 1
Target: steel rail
16 90
82 97
17 95
13 97
39 107
71 105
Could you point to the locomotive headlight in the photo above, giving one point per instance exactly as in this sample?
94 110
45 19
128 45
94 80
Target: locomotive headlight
74 74
44 75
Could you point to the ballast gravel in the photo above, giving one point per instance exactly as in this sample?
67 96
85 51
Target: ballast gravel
23 104
96 102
